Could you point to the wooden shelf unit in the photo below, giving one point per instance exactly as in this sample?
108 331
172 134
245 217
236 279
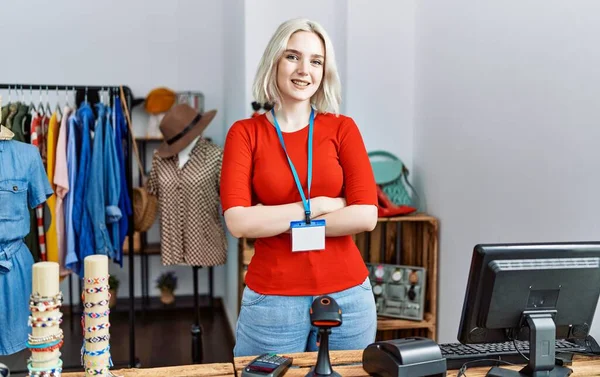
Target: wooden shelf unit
418 247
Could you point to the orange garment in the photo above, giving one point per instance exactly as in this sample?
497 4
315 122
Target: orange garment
255 170
51 238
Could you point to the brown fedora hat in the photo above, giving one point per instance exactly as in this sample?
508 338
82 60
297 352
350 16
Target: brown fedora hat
180 126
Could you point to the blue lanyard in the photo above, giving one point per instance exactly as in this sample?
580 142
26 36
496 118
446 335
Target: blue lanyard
305 199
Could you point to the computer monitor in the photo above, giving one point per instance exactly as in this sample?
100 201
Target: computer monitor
531 291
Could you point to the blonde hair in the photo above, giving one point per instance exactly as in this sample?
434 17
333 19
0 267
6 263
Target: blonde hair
327 98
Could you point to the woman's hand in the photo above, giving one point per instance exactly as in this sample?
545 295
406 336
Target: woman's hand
322 205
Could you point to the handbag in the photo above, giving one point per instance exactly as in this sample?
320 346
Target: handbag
392 176
145 205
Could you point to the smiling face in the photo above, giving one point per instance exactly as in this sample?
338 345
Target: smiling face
301 67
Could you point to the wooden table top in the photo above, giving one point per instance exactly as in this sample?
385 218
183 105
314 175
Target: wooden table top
198 370
347 363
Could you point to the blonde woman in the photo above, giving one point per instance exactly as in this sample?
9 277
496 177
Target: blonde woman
298 180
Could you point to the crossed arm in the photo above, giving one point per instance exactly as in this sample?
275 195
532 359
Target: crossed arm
266 221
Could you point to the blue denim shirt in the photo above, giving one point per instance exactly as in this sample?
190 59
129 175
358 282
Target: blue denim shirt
71 256
124 200
112 183
81 218
23 184
95 199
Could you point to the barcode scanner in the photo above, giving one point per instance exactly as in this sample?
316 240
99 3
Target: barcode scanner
325 314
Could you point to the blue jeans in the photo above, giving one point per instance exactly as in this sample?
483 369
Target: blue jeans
281 324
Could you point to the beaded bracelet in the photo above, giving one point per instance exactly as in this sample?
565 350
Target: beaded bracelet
98 339
37 340
44 374
45 319
37 297
97 289
96 372
95 353
89 305
96 280
56 368
47 338
46 324
97 315
48 348
44 306
99 327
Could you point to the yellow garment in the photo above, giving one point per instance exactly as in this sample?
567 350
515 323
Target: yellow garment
51 240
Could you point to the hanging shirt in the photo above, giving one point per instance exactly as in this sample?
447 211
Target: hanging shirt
112 184
96 199
61 181
19 128
51 237
36 239
23 185
81 218
190 223
120 127
71 256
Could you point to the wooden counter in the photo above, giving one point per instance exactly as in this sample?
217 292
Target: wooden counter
349 363
198 370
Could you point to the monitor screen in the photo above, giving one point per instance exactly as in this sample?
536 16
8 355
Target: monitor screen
509 281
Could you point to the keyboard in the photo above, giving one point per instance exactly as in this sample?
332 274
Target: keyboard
457 354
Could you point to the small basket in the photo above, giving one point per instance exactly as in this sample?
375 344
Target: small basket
145 207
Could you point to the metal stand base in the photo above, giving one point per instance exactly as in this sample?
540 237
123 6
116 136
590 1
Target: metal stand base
313 374
556 372
196 344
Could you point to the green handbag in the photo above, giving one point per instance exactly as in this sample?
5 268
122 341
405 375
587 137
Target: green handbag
392 175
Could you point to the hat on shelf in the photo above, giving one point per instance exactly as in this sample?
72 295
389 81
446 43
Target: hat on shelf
180 126
160 100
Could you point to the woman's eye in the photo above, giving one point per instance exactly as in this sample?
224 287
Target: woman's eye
317 62
292 57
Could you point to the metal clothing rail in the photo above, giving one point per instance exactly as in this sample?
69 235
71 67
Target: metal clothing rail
84 92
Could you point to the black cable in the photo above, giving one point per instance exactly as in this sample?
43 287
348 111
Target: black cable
518 350
463 369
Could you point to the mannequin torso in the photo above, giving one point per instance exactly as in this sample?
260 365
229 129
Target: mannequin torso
184 155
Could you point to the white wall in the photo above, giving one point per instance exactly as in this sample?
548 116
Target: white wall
506 129
380 74
235 108
142 44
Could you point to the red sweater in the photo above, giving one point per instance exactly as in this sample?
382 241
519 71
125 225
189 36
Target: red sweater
255 170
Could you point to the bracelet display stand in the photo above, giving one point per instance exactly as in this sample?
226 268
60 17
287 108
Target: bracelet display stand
95 351
46 336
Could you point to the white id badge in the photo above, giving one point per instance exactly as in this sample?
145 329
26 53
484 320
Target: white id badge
307 237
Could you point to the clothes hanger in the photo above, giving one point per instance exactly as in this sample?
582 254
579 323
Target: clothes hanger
41 105
31 104
48 109
57 108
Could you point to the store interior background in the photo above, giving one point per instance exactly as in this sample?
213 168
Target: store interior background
493 106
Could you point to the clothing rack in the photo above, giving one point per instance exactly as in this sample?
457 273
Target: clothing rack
85 92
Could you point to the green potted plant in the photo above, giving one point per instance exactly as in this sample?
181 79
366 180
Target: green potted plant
113 287
167 283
